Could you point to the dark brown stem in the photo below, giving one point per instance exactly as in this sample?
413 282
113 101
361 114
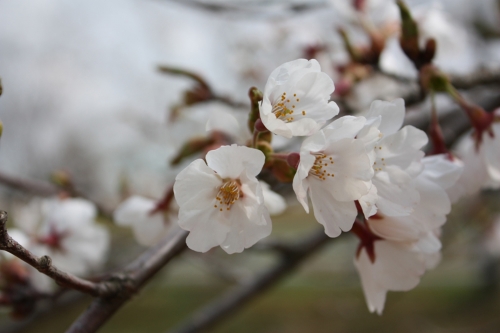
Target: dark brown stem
44 265
138 273
236 298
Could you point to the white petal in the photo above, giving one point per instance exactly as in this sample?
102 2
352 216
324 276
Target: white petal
392 113
231 161
274 202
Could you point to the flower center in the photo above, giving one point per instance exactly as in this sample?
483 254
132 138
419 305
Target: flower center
285 108
322 166
228 194
53 239
379 163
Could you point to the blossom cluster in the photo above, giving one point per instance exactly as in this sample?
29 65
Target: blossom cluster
66 230
366 174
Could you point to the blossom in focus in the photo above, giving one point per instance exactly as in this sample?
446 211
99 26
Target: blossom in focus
66 231
274 202
221 201
296 99
335 170
139 213
419 227
395 154
395 251
397 267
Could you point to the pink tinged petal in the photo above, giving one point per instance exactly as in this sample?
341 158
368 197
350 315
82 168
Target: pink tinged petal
334 215
196 186
392 114
231 161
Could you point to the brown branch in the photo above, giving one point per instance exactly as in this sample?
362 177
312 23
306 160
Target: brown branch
47 189
44 266
138 273
236 298
31 186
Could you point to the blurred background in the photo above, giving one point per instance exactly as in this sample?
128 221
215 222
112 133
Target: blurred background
82 93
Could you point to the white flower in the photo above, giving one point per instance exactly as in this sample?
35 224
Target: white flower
439 174
295 101
138 213
481 164
335 170
274 202
397 267
395 154
66 231
221 202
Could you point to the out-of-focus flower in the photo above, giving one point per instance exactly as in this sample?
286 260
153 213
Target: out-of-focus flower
66 231
148 225
335 170
395 154
221 202
481 163
296 99
274 202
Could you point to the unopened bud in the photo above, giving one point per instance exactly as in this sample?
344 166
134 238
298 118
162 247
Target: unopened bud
293 160
429 51
61 178
409 33
259 126
282 171
255 98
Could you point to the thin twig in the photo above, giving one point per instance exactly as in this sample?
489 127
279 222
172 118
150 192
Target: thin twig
31 186
47 189
236 298
138 272
44 266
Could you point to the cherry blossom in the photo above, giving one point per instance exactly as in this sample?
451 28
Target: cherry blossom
296 99
148 225
221 201
66 231
335 170
438 175
397 267
481 162
395 154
